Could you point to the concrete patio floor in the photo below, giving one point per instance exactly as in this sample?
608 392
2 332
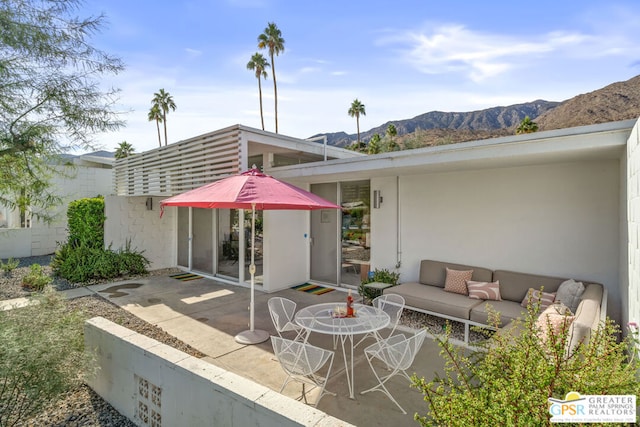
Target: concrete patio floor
207 315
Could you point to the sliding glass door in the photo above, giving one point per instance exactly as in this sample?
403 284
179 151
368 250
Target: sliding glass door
355 231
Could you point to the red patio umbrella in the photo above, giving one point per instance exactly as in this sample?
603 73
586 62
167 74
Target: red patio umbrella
256 191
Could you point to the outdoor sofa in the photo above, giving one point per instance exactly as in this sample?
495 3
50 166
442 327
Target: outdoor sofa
428 295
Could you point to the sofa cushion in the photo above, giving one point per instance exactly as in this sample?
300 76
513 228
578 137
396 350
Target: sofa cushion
569 293
508 310
514 285
456 281
534 295
434 272
484 290
435 299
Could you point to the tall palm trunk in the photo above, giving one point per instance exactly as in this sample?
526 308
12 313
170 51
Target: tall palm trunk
260 92
164 122
159 137
275 89
358 127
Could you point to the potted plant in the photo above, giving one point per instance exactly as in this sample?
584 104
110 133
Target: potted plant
380 276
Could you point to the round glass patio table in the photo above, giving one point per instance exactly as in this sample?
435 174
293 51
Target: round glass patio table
321 318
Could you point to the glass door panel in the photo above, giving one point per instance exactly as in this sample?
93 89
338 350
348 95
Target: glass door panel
356 231
183 237
202 249
324 237
228 244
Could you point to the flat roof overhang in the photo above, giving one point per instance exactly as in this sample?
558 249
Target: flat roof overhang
261 142
593 142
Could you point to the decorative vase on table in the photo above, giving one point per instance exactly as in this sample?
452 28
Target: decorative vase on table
349 304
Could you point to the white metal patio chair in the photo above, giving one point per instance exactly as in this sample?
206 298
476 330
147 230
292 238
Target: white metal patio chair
282 311
397 353
391 304
302 363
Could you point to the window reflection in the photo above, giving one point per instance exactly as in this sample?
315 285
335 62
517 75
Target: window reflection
356 231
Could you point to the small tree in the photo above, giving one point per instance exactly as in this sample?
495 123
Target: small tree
51 96
374 144
526 126
509 379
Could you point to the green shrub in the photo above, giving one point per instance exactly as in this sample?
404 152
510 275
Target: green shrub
41 356
83 258
132 261
9 266
84 264
381 276
36 279
508 380
86 218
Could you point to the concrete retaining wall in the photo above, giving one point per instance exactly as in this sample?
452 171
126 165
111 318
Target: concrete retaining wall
154 384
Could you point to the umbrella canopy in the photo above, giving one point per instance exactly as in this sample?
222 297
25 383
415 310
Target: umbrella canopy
249 189
256 191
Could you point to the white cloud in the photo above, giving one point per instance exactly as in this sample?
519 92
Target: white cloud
193 52
480 55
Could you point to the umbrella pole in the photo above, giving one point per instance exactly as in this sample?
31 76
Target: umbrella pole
252 267
252 336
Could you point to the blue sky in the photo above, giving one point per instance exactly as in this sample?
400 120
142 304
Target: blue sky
400 58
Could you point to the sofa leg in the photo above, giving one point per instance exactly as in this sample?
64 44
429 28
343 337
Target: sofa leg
466 333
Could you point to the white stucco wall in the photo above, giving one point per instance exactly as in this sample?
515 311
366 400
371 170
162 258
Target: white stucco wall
384 224
286 249
15 242
632 309
558 220
128 218
42 239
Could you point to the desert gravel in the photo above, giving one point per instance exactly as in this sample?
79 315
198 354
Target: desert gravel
82 406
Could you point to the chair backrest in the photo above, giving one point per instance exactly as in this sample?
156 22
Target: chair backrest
401 351
281 311
391 304
299 358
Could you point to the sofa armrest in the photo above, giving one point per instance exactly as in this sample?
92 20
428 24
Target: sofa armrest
589 314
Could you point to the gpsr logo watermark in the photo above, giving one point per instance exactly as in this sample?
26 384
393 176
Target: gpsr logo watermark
576 408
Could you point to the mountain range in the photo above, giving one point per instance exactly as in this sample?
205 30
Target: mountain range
617 101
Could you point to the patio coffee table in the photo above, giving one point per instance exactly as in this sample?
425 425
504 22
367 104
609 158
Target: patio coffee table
320 318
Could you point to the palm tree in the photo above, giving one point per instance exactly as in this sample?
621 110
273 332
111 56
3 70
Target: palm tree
357 108
391 132
259 64
164 101
156 114
124 150
272 39
374 144
526 126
